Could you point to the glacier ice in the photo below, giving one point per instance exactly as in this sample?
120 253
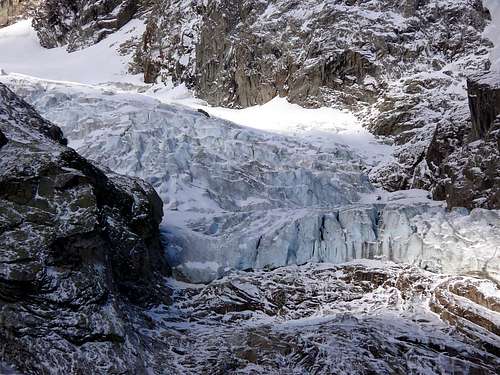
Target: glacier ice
237 198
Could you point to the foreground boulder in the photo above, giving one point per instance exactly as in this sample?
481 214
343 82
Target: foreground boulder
79 252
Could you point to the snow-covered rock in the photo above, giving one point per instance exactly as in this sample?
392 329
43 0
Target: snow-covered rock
79 24
358 318
401 67
79 251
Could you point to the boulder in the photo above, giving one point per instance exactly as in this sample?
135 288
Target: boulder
80 252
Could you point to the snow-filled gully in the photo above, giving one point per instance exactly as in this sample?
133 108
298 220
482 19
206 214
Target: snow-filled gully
239 199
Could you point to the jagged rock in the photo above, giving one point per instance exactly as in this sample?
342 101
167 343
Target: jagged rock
252 200
10 10
79 252
399 65
463 158
484 102
357 318
242 53
80 23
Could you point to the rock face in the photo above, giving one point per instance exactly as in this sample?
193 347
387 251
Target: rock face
10 10
464 157
359 318
81 23
399 66
242 53
80 252
484 102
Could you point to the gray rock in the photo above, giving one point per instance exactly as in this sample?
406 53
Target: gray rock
484 102
80 23
11 10
80 252
464 157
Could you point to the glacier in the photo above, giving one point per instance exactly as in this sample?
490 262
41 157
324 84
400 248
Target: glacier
237 198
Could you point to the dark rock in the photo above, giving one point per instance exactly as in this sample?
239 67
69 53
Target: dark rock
3 140
203 112
243 53
80 253
463 157
484 102
80 23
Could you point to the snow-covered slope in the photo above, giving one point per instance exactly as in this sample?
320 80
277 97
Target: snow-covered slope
359 318
400 66
100 63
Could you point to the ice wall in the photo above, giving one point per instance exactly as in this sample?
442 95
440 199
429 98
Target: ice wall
428 236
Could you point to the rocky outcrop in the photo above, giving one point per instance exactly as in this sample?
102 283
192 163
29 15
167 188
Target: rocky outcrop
400 66
10 10
242 53
463 157
80 23
80 253
484 102
363 56
242 199
468 304
359 318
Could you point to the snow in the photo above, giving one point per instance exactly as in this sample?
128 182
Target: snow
489 289
492 31
101 63
335 312
323 126
243 198
269 186
22 53
266 186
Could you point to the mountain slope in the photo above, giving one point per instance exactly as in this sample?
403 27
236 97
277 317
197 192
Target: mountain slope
238 198
400 67
257 209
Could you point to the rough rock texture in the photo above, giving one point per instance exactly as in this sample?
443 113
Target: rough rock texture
359 318
79 253
464 158
484 102
400 66
242 53
11 10
80 23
